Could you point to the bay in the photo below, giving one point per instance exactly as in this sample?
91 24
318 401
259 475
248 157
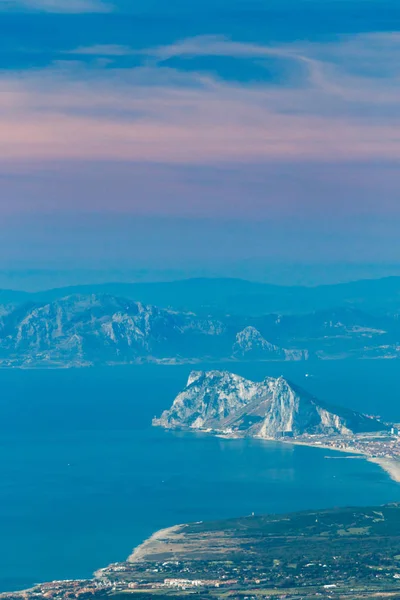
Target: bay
84 478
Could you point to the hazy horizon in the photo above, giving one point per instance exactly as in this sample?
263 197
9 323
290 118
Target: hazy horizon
194 138
36 280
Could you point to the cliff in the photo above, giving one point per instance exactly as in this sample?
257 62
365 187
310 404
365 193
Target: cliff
223 402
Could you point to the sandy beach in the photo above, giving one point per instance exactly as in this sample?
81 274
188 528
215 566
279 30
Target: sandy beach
389 465
157 543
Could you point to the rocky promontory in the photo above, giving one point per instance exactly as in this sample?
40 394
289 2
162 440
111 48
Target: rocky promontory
226 403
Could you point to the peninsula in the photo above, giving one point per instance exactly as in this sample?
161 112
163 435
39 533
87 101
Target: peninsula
225 404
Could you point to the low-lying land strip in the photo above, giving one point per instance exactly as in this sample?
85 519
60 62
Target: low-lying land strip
347 553
382 449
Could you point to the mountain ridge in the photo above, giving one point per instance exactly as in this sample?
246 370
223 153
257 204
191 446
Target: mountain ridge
227 403
240 296
82 330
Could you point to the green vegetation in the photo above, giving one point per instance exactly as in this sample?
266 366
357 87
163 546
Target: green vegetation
351 553
344 553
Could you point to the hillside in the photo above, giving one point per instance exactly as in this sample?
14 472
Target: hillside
241 297
83 330
88 329
227 403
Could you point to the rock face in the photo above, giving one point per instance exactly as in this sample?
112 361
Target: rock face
251 345
223 402
93 329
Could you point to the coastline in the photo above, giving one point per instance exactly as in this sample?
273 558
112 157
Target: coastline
154 544
150 546
170 541
389 465
163 538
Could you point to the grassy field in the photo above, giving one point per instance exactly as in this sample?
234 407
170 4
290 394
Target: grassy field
341 553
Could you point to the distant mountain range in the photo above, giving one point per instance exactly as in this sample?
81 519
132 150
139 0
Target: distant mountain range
238 297
82 330
222 402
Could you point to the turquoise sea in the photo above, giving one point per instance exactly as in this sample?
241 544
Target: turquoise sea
84 478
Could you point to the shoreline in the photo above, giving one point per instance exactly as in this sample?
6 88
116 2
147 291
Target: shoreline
390 465
160 541
152 544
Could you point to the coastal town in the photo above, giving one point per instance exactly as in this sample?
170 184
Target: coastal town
227 405
335 553
163 565
382 448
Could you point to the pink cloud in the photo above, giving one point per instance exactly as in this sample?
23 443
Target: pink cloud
157 114
195 130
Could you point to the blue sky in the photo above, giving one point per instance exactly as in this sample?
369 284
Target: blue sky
278 121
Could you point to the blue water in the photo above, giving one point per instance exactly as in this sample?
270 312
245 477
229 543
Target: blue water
83 478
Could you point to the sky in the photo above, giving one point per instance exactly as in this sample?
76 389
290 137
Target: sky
212 136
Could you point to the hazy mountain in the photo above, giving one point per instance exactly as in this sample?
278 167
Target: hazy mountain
240 297
103 329
224 402
251 345
339 332
90 329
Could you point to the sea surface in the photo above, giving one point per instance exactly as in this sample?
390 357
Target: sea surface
84 478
